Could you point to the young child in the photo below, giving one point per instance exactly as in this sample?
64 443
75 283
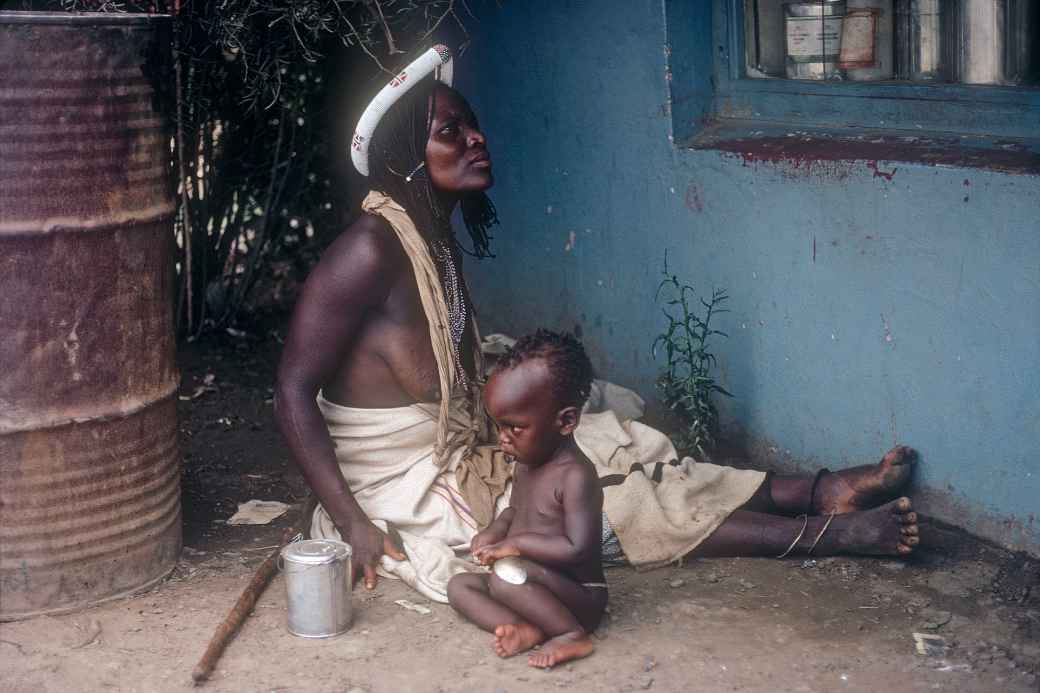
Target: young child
553 524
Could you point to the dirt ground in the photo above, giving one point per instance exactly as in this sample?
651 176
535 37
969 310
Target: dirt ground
711 625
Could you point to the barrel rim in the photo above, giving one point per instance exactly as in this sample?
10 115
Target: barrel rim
80 18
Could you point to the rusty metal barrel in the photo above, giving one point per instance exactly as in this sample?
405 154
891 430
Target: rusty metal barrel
89 462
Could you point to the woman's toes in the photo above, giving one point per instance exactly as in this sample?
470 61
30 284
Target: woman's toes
903 505
909 531
903 549
909 518
900 454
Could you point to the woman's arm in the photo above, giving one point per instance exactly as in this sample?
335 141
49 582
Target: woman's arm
351 280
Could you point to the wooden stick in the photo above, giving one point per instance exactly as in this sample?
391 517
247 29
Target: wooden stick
226 631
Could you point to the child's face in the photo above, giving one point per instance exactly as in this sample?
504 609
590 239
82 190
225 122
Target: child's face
520 401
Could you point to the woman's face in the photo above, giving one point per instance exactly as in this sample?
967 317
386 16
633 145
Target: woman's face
457 159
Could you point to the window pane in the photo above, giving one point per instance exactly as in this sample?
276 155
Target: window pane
965 41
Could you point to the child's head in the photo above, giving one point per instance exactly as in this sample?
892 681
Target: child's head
536 392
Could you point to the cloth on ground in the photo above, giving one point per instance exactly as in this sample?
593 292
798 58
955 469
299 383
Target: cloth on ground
659 506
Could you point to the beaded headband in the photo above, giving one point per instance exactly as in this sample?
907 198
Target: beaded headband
437 60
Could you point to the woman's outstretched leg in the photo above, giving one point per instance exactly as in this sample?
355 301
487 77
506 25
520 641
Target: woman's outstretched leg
887 530
844 491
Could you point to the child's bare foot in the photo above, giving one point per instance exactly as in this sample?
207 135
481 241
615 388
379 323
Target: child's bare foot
514 638
888 530
867 486
562 648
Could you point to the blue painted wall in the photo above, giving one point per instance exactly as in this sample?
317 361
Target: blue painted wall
864 311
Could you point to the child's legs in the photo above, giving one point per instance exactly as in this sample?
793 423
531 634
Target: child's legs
469 594
550 600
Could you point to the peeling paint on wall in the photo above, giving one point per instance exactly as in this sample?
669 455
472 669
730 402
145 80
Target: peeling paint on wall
693 198
887 329
795 167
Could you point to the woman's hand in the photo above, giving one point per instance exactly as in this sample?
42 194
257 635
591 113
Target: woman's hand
486 555
369 543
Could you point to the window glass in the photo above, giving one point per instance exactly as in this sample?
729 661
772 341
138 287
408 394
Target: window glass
991 42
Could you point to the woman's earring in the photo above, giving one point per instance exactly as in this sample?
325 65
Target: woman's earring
408 178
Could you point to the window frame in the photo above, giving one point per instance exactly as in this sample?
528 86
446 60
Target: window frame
926 109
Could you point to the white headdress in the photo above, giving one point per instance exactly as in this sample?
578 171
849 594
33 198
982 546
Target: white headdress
437 60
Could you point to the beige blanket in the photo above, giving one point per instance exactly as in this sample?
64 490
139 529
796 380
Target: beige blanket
659 506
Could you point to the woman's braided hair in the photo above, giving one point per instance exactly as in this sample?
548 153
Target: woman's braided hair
397 148
569 367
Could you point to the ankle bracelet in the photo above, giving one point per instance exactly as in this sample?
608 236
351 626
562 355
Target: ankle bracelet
820 535
805 523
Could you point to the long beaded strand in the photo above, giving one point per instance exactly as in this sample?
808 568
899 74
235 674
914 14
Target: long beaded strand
457 313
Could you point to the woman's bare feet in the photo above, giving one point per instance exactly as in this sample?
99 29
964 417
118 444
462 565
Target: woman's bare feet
887 530
562 648
514 638
867 486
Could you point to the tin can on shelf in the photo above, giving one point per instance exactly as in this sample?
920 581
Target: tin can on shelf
1023 33
318 580
812 31
977 42
866 40
919 46
994 42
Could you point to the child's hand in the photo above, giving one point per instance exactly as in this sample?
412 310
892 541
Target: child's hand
486 555
482 539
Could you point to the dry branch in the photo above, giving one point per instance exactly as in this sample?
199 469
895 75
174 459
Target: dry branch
227 629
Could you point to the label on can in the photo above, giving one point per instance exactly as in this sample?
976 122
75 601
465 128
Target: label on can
813 39
858 39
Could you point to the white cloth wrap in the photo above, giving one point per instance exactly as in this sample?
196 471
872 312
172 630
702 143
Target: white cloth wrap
387 459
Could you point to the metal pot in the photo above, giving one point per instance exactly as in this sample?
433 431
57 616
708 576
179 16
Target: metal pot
318 580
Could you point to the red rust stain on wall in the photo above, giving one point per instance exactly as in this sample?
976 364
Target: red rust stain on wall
878 173
809 156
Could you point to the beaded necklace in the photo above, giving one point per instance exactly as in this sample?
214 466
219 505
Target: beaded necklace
453 295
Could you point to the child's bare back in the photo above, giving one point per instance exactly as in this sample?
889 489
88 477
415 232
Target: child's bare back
550 534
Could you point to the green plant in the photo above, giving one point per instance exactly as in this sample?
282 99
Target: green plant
686 383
